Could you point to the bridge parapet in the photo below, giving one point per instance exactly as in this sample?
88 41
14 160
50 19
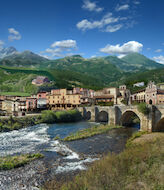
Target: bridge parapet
116 112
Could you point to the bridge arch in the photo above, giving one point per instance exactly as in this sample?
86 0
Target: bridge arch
130 118
88 115
102 116
159 127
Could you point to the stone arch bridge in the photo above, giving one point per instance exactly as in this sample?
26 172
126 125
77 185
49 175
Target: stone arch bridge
123 115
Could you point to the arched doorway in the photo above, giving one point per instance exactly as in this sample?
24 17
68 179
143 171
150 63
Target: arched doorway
88 115
150 102
102 117
160 126
130 119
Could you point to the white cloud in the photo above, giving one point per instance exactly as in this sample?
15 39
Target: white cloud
91 6
148 49
158 50
113 28
1 44
14 34
93 56
122 7
159 59
126 48
121 56
136 2
106 20
45 56
64 44
60 48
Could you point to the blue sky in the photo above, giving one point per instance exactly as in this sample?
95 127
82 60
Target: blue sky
91 28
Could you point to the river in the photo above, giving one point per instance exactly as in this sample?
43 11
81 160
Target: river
60 159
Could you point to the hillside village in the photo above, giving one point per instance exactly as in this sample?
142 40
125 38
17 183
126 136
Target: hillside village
64 99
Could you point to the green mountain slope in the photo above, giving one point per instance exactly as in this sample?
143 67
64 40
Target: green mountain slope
75 70
14 79
24 59
16 82
97 67
121 64
141 62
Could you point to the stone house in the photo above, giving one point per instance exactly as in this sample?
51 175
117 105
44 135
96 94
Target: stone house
63 99
107 95
154 95
124 95
42 100
10 106
139 96
40 80
31 103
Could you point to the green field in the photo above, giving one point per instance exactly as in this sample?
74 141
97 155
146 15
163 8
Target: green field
15 94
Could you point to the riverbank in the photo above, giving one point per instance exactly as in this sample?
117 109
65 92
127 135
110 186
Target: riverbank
49 117
139 166
10 162
14 123
78 155
89 132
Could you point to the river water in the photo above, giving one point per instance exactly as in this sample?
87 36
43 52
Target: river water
59 158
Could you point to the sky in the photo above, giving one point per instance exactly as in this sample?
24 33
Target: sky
90 28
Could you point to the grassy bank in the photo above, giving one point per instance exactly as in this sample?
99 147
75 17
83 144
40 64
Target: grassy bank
89 132
13 123
139 166
60 116
10 162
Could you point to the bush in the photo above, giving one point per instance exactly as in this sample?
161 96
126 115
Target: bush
48 116
143 108
61 116
16 126
124 102
105 103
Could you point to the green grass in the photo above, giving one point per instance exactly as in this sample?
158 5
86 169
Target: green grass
15 94
49 116
12 123
134 136
10 162
137 167
89 132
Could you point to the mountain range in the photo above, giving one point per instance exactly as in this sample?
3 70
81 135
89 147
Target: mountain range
76 70
130 63
4 52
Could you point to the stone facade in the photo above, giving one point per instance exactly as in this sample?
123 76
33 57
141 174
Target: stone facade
154 95
42 100
107 95
117 115
139 96
63 99
31 103
10 106
40 80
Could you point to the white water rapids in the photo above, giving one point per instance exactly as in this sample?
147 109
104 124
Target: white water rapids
38 138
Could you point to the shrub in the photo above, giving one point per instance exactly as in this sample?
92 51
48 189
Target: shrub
48 116
105 103
16 126
143 108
